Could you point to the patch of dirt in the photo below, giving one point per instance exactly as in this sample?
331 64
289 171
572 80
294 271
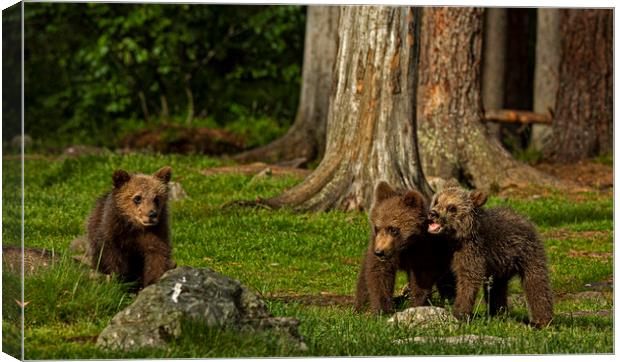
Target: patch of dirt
83 150
585 176
601 296
563 234
350 261
586 173
589 313
589 254
604 285
184 140
321 300
26 157
258 168
34 259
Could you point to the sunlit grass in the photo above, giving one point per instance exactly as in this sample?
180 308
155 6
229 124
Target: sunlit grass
277 253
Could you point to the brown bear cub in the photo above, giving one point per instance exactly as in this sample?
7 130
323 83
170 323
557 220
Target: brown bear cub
492 244
128 228
398 232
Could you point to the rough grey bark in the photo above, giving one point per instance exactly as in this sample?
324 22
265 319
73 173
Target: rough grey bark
494 64
452 138
306 137
545 71
371 127
583 122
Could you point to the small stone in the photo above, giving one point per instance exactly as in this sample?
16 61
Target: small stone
470 339
422 317
265 173
175 191
83 150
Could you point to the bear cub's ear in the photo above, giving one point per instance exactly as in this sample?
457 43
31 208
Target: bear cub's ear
478 197
414 199
383 191
164 174
120 177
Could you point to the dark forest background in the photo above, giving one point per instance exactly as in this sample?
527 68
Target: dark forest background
96 72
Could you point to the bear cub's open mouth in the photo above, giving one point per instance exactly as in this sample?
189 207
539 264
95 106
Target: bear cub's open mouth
434 228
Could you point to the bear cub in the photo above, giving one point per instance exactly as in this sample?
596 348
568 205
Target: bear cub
493 245
128 229
398 232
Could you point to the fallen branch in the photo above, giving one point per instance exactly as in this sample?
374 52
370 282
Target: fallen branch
516 116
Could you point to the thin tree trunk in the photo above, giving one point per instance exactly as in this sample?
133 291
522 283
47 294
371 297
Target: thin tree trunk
371 126
144 106
494 64
545 71
453 141
165 111
583 122
306 137
190 100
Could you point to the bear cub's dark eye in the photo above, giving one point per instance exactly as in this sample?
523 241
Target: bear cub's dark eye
392 230
452 208
156 200
137 199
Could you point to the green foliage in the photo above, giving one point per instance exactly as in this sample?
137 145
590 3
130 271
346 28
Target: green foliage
68 293
255 131
528 155
605 159
89 66
281 253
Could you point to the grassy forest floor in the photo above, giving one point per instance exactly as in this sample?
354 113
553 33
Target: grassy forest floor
304 265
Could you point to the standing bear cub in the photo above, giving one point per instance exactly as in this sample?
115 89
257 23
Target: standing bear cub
492 244
398 242
128 229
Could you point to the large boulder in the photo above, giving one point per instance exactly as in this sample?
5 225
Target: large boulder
198 295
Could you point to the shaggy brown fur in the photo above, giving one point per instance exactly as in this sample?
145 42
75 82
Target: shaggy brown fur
398 223
492 244
128 228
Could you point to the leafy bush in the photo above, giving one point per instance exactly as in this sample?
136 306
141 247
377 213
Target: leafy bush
92 68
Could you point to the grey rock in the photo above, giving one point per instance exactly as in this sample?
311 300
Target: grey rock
422 317
265 173
197 294
471 339
81 246
601 286
83 150
16 142
175 191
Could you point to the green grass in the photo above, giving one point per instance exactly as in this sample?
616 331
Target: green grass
275 253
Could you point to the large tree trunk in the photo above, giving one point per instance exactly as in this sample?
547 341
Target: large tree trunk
453 141
494 64
371 126
306 137
583 122
546 71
